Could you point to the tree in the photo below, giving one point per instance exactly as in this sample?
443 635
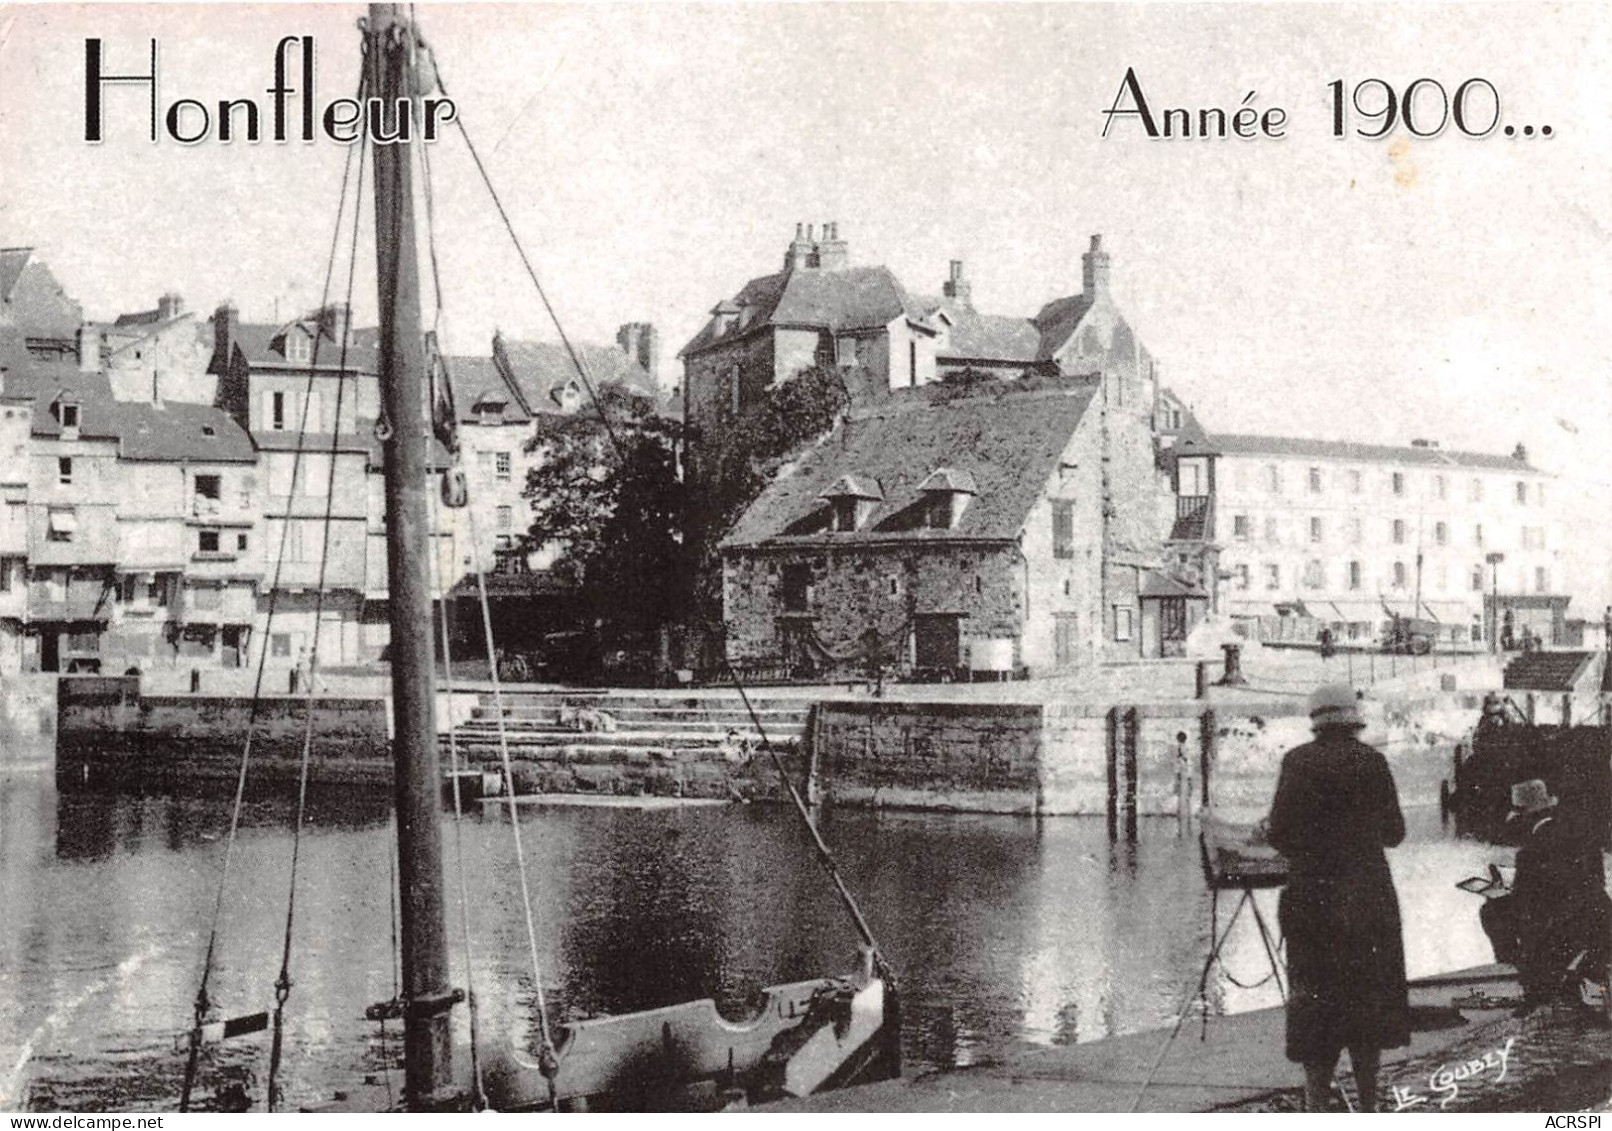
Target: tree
612 496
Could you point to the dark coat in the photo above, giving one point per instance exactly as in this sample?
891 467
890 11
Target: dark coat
1557 909
1335 811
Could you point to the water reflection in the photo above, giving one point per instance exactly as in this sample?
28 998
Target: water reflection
1005 931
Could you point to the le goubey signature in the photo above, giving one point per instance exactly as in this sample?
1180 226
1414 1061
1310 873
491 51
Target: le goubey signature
1446 1080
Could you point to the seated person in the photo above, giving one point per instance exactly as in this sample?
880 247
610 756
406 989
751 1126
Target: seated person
1556 925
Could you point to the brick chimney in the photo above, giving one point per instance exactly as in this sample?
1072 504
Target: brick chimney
170 306
226 320
1094 270
957 287
831 252
641 342
798 254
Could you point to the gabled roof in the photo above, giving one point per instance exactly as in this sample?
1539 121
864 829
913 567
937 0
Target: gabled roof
840 301
1241 444
950 479
1191 439
540 371
28 378
1008 440
1056 322
179 431
13 260
853 486
983 337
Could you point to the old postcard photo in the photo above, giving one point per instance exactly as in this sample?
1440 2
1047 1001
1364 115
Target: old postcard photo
816 557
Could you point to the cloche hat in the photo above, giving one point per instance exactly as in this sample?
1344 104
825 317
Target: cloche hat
1335 705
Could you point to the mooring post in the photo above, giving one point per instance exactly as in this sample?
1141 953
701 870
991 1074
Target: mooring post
814 788
1112 721
1200 688
1132 733
1567 709
1183 785
1206 752
1529 703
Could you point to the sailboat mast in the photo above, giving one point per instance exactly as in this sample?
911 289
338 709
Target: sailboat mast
426 1039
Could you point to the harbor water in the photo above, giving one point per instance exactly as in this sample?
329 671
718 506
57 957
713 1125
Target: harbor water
1005 931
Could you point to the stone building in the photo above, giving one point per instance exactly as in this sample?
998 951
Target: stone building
952 528
1321 533
153 355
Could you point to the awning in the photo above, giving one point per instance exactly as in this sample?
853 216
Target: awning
63 522
1357 612
1451 612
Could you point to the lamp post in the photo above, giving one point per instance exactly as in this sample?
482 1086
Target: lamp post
1494 559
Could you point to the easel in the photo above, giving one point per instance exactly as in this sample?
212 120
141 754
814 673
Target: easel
1227 870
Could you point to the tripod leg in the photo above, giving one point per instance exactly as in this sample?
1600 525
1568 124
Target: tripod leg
1269 942
1214 955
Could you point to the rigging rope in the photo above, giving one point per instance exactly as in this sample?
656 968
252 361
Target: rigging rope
203 1004
282 983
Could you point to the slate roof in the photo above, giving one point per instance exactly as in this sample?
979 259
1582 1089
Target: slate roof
852 298
984 337
1008 441
1239 444
541 370
1056 321
179 431
1156 584
29 379
478 380
263 344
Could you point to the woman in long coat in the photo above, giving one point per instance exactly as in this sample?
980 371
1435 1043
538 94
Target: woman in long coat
1335 811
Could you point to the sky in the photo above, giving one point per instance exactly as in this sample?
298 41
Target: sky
653 158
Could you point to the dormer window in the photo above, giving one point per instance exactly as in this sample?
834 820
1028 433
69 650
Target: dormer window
568 396
296 346
69 414
852 500
946 493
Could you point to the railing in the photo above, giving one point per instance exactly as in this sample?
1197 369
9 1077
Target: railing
1191 506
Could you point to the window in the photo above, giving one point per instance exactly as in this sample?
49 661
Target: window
64 470
1440 487
315 473
277 413
240 542
1273 576
797 585
1441 533
1399 532
1474 491
912 363
845 352
1315 528
501 464
61 524
1399 575
1315 574
1240 574
1271 534
1354 575
1122 623
1477 534
1397 482
11 573
1239 527
1063 528
1273 479
506 517
1541 579
280 644
207 541
844 512
1356 531
209 487
296 346
1477 579
504 555
1354 482
69 416
1522 493
1315 480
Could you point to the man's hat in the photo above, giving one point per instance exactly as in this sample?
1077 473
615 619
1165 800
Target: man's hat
1335 705
1528 797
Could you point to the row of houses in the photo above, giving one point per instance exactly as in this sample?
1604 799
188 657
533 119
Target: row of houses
1013 493
187 491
